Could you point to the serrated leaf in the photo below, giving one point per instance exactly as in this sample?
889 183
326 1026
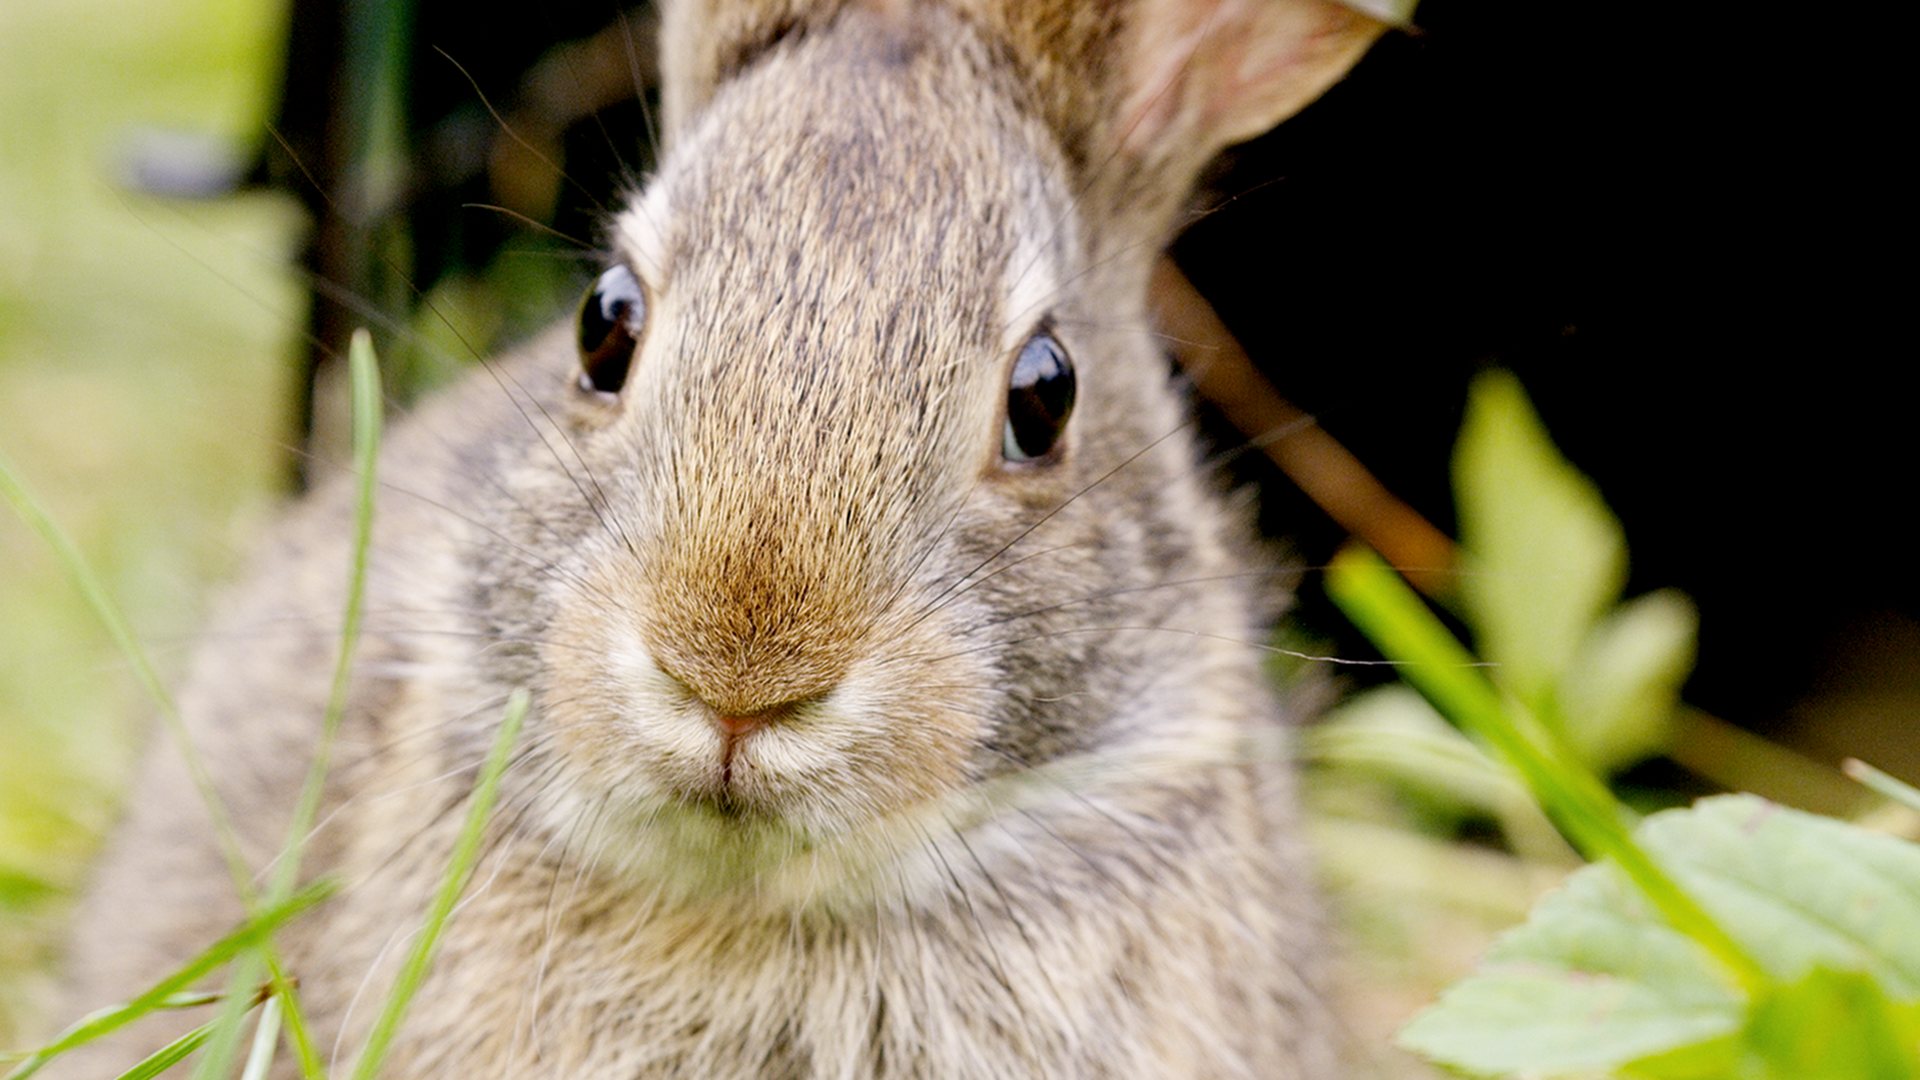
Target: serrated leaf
1617 699
1543 554
1797 890
1595 980
1828 1025
1592 980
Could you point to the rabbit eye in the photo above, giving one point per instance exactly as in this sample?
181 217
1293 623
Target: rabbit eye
611 319
1039 397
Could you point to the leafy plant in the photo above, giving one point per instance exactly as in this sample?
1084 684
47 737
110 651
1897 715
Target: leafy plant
1734 939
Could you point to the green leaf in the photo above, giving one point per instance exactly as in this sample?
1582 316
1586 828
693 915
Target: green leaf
1591 981
1797 890
1398 623
1596 981
1829 1024
1617 699
1543 555
1393 733
1833 1024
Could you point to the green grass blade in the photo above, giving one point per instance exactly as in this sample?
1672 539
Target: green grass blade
168 992
265 1036
170 1055
34 513
1392 616
224 1032
304 1050
364 375
1886 786
466 852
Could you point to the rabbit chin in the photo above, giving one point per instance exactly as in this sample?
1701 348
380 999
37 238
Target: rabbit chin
804 801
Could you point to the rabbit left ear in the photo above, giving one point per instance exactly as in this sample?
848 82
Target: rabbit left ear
1200 75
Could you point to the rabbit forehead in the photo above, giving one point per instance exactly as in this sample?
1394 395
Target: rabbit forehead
840 248
859 177
833 251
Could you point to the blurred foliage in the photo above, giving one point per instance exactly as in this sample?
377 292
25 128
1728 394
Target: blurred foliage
144 366
1597 981
1735 939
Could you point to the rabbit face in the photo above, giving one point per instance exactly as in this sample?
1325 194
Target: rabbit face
777 628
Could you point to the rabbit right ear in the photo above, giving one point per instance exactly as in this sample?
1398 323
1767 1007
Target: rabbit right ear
1200 75
1158 87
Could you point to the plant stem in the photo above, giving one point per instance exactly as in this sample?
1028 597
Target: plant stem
466 852
1393 617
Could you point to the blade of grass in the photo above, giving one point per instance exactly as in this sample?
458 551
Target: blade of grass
34 513
265 1036
304 1050
224 1044
223 1039
364 374
170 1055
1882 784
1392 616
466 851
167 993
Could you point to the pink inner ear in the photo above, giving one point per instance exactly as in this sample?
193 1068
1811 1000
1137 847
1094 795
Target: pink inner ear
1207 73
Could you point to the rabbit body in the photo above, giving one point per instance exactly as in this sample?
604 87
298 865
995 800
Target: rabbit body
857 749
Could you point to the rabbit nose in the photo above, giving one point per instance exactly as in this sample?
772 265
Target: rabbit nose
734 727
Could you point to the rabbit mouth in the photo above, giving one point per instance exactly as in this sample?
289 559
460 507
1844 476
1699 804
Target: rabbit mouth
680 777
771 764
655 717
785 813
827 764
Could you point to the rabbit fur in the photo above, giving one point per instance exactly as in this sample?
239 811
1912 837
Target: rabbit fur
1007 802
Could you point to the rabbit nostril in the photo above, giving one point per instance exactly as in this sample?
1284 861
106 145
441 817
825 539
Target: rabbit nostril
738 727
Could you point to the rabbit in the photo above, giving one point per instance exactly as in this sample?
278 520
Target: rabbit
897 707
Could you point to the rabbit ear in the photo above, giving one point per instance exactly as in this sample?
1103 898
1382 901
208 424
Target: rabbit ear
1143 93
1199 75
1154 87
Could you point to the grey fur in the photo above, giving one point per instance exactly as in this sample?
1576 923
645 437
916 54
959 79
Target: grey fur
1014 809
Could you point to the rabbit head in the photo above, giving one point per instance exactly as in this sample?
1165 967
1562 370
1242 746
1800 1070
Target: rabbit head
881 489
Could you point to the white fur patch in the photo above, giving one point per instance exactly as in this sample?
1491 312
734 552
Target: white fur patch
640 234
1032 285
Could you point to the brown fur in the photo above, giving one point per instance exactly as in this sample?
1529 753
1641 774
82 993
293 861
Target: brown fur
1012 807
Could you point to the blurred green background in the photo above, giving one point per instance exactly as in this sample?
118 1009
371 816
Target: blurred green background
146 352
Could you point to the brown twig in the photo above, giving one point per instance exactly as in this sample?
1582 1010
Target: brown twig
1326 471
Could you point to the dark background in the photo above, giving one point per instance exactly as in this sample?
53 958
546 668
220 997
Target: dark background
1681 228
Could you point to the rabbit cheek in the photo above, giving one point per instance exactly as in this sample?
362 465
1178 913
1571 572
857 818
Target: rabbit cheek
898 732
